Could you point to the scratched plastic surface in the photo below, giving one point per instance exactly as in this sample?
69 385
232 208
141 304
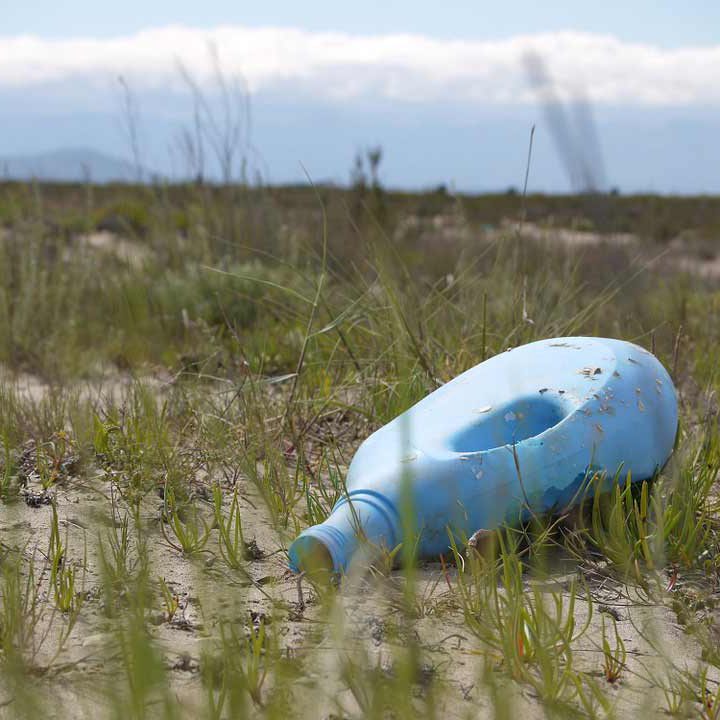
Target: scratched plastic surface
522 429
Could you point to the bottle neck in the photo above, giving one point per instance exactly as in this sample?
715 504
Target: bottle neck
360 525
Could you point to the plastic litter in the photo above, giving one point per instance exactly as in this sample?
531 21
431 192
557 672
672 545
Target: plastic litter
518 433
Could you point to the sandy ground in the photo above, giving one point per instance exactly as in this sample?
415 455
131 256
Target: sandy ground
107 385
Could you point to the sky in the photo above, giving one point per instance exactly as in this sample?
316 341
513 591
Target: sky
622 95
667 24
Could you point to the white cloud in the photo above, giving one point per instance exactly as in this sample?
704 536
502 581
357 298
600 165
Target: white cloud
406 68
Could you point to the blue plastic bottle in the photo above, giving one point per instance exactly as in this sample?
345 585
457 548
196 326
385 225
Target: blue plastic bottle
520 430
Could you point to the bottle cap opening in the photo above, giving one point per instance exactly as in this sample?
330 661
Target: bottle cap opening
310 555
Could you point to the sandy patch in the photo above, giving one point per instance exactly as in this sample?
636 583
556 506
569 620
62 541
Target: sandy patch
128 251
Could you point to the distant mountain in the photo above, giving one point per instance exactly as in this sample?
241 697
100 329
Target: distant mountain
70 165
662 150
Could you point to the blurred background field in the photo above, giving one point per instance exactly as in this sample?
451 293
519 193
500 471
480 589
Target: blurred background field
118 275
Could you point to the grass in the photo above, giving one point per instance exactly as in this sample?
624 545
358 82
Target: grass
171 418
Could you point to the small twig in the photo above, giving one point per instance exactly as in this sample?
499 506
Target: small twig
522 485
313 310
527 175
526 318
301 599
445 573
676 351
484 326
